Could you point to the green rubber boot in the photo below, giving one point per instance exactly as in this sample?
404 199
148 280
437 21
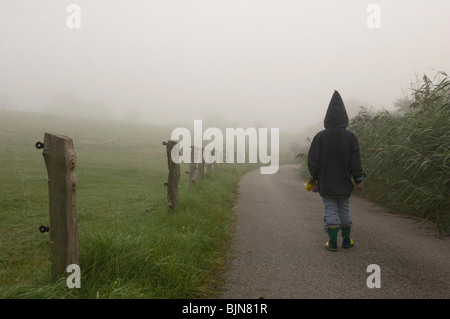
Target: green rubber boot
347 242
332 243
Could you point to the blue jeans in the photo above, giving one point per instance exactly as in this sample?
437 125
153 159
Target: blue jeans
337 212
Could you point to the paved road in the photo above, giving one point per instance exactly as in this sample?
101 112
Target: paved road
278 248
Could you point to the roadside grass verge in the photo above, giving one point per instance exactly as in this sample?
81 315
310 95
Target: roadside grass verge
131 244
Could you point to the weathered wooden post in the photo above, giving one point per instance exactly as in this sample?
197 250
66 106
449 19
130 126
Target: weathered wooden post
208 166
214 164
174 175
192 169
60 160
201 166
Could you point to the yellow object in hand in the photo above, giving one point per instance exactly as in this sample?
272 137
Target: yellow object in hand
309 187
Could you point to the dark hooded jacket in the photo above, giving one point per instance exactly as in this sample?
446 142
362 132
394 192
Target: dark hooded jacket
333 157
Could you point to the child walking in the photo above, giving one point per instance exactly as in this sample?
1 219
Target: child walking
333 160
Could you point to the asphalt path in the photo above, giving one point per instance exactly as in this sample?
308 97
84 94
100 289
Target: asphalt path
279 248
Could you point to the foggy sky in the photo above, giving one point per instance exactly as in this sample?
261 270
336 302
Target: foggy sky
251 61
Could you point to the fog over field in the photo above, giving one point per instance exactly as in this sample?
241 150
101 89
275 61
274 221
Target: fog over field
235 62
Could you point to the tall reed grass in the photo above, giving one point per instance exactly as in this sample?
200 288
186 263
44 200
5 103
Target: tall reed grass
407 155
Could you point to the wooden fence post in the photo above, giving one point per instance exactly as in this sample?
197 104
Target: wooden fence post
214 164
208 165
192 169
201 166
60 160
174 177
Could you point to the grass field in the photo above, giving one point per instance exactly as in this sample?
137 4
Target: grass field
131 244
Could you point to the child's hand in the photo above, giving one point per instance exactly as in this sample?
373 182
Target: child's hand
360 186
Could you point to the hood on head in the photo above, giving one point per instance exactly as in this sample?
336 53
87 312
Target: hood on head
336 116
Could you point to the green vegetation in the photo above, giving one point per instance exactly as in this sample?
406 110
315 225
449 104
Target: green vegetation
131 244
406 154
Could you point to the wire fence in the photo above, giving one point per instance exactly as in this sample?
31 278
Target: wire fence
28 170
